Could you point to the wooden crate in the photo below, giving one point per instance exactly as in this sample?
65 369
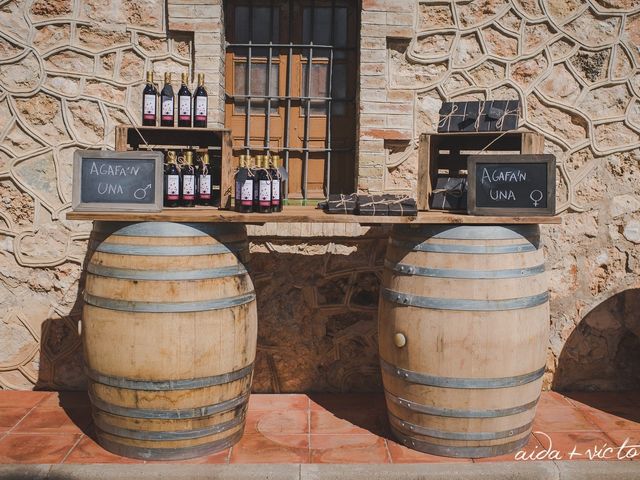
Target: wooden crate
439 151
129 137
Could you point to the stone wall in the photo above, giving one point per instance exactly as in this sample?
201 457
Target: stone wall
71 70
574 65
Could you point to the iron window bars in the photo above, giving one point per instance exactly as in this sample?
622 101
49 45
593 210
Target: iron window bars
307 99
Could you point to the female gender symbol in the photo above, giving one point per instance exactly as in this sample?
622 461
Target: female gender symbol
538 194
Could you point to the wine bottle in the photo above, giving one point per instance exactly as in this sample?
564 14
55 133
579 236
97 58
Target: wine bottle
166 102
200 104
276 185
203 172
188 194
255 169
264 185
149 102
246 186
184 103
171 181
242 165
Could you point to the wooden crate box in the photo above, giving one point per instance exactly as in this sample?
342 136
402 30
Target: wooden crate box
129 137
449 151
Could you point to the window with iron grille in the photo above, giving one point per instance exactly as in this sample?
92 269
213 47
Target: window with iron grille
291 75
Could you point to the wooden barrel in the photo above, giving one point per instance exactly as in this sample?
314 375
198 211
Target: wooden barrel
169 329
463 329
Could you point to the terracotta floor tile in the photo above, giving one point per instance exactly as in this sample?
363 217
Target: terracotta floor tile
277 421
561 419
35 448
267 401
25 399
67 400
582 444
347 401
629 440
218 458
533 447
55 420
355 421
88 451
553 399
348 449
617 418
9 416
401 454
258 448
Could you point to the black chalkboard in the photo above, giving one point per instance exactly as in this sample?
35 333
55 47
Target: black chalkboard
117 181
511 185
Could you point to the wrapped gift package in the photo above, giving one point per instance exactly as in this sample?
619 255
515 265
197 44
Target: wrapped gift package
450 193
373 205
402 206
479 116
341 203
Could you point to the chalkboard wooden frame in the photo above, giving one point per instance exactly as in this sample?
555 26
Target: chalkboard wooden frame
78 205
475 160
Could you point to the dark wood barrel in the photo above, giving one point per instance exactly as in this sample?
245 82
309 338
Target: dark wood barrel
463 330
169 329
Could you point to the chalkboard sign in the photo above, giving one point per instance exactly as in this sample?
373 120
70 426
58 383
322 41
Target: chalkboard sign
512 185
117 181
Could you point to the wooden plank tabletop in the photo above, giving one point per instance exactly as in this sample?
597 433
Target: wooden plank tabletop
302 214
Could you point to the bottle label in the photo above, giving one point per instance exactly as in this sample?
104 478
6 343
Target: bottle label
149 107
184 108
188 187
167 108
265 193
204 190
246 194
173 187
275 191
201 108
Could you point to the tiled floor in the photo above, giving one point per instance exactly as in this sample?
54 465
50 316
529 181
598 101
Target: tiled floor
47 427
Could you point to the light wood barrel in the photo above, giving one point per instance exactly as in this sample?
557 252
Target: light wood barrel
463 329
169 329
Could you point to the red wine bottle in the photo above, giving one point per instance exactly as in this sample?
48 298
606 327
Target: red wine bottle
203 174
184 103
240 173
262 195
200 104
245 180
167 102
276 185
171 181
149 102
188 194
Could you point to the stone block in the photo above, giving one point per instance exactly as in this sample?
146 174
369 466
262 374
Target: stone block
386 133
377 81
373 56
374 5
371 145
399 31
403 19
194 24
177 12
371 160
374 18
373 43
388 108
400 121
372 68
372 120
